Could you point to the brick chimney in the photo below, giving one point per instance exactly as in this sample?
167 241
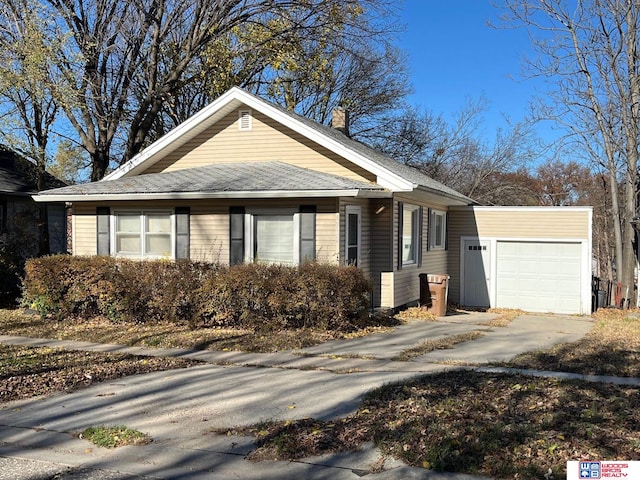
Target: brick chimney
340 120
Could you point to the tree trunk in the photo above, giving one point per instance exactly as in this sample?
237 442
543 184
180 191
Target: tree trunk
99 165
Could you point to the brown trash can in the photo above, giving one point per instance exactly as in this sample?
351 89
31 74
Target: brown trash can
434 290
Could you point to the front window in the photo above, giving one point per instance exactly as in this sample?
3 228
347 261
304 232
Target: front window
274 240
143 234
437 230
410 231
279 235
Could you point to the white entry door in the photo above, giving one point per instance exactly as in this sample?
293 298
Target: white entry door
476 259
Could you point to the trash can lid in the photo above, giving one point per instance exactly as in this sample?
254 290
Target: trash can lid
437 278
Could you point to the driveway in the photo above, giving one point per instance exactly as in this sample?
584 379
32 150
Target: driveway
180 408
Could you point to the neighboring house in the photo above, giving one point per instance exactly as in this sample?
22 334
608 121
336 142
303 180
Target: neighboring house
20 216
244 180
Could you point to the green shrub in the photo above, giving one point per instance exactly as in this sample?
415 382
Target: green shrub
255 296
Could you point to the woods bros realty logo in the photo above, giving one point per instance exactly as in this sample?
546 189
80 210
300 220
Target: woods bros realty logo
612 469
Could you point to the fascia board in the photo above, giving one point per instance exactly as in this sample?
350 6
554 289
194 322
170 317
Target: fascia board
524 208
108 197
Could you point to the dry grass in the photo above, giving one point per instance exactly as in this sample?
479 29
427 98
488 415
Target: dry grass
612 347
441 344
416 313
496 425
169 335
505 317
502 426
28 372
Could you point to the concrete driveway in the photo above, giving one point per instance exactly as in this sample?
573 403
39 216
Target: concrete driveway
180 408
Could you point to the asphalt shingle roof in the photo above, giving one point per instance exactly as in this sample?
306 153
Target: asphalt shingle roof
407 172
221 177
18 175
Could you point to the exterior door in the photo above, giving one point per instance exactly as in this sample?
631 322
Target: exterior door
353 230
477 272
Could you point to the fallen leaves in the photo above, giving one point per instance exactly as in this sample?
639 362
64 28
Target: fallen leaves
502 426
28 371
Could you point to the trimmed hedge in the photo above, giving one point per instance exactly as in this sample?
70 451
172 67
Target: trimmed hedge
260 297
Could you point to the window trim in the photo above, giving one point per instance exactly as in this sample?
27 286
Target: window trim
415 234
142 213
250 234
434 242
353 210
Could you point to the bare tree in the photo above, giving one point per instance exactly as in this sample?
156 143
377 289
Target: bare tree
457 155
123 61
588 53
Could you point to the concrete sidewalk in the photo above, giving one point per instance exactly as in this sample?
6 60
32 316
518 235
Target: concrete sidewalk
180 408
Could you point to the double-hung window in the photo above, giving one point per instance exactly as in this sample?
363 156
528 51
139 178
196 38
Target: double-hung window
281 235
437 230
410 234
143 234
273 238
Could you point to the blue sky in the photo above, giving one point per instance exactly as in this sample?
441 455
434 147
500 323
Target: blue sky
455 55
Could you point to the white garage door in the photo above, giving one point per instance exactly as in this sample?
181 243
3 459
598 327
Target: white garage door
538 276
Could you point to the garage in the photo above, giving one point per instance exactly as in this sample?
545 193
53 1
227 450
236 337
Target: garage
539 276
537 259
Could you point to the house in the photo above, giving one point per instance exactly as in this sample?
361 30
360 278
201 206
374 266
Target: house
20 216
244 180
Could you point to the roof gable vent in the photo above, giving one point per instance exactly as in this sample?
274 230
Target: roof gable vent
244 120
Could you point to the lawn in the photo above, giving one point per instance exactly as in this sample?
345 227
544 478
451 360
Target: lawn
503 426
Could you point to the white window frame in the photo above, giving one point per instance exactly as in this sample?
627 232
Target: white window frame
352 210
410 209
250 234
436 243
113 220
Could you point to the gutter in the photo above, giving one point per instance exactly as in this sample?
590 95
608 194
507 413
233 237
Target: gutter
107 197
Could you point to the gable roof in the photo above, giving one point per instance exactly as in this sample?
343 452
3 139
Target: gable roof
390 174
18 175
224 180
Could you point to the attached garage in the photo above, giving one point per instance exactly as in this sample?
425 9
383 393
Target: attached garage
539 276
536 259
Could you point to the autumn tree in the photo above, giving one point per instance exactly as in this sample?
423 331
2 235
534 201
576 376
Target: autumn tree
127 69
28 108
588 53
564 183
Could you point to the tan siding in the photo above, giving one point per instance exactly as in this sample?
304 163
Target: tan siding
209 230
327 250
540 223
84 229
209 225
381 244
266 141
401 287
